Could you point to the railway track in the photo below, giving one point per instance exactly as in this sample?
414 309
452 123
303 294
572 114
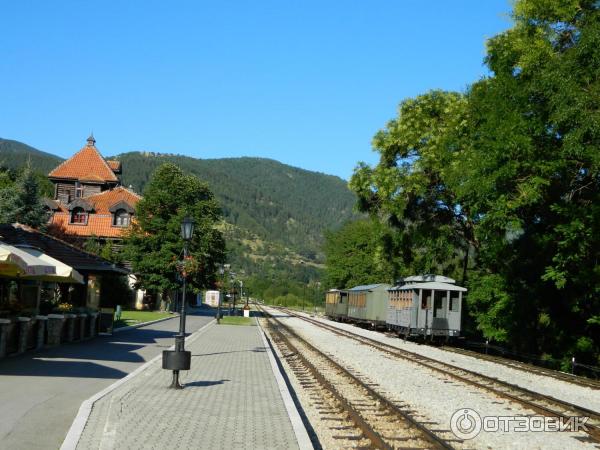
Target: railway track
540 403
361 416
569 378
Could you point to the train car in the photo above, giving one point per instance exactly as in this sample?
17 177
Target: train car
211 298
429 305
336 304
368 304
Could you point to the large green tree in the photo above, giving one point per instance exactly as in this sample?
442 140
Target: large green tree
21 200
359 253
410 188
155 247
506 177
533 179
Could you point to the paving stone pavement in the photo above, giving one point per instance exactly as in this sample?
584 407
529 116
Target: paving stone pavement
231 401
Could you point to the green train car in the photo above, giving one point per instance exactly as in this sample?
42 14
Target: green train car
336 304
368 304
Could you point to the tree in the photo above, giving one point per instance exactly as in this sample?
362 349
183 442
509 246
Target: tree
154 245
22 201
359 253
507 178
534 181
410 188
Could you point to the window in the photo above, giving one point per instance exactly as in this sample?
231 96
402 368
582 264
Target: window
121 218
454 301
79 216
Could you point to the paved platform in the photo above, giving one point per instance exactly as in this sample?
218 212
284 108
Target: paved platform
231 400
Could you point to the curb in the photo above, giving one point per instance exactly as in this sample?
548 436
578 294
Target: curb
143 324
304 442
76 430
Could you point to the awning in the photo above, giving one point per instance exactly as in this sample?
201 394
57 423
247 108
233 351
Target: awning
16 262
63 272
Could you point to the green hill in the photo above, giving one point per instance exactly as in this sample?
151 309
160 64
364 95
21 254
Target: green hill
14 154
275 214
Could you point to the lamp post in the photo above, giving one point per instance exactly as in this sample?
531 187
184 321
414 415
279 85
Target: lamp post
179 359
224 268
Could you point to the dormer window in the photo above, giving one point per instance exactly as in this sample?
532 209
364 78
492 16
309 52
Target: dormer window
121 218
79 216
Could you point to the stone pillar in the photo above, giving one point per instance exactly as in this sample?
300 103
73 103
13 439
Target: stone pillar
41 331
70 327
3 334
93 325
24 324
55 325
82 320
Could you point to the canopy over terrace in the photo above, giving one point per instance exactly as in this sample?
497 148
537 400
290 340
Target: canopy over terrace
15 262
93 268
64 273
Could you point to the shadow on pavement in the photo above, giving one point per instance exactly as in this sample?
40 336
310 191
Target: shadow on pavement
68 360
204 383
79 369
254 350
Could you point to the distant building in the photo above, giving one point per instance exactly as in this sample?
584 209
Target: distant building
88 198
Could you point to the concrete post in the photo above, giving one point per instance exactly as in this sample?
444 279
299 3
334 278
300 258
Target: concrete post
41 331
3 335
82 320
93 325
24 324
70 326
55 325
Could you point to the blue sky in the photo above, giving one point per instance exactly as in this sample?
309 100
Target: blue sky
306 83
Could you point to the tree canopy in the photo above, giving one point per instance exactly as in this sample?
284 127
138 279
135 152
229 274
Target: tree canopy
154 245
358 254
505 178
21 199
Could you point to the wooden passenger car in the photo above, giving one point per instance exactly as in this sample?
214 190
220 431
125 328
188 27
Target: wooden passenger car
426 306
336 304
368 304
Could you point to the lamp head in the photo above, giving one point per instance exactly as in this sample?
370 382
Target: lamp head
187 228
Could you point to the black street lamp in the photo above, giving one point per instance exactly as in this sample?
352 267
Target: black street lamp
222 270
179 359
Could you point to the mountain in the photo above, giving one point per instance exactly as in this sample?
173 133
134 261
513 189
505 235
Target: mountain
276 215
14 154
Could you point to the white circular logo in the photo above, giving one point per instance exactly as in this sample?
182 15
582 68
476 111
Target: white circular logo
465 423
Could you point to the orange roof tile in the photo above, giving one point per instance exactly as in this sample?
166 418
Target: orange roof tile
100 225
114 165
103 201
100 220
87 164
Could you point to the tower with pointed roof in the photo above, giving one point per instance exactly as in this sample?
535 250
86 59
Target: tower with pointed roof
88 198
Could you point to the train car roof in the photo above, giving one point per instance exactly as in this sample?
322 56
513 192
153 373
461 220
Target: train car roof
367 287
428 278
435 285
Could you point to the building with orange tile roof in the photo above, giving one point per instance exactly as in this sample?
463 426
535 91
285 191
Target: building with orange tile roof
88 199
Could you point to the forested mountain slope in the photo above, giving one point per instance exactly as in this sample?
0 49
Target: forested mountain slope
274 201
276 214
14 154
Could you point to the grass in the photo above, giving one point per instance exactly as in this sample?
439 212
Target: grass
135 317
236 320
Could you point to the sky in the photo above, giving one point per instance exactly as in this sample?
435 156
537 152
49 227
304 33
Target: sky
307 83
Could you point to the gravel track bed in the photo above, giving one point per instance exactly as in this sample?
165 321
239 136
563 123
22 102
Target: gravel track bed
313 404
434 396
579 395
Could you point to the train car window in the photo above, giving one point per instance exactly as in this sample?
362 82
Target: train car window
454 301
426 300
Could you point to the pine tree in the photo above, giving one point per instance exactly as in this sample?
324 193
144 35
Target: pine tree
21 202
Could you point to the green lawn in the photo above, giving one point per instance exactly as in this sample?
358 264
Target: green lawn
236 320
134 317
